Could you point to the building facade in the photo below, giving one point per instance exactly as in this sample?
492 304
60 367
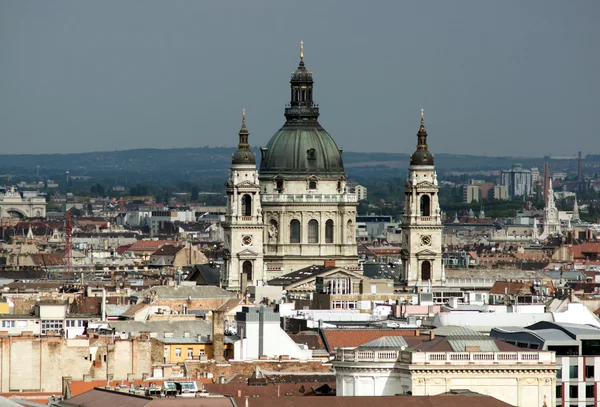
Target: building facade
390 366
422 224
12 204
518 181
243 226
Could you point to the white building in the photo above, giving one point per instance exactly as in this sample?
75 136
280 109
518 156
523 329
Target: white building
422 223
435 365
12 204
261 335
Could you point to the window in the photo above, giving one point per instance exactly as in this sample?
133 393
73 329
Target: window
295 231
559 391
279 185
8 324
312 184
558 372
589 372
177 352
573 391
246 205
589 391
425 271
190 353
329 231
69 323
425 205
201 352
313 231
51 325
573 372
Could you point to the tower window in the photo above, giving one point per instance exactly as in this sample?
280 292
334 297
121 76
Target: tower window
313 231
426 271
295 231
425 205
329 231
246 205
279 185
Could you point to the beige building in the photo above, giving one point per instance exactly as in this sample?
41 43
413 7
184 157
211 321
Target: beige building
463 360
243 226
422 223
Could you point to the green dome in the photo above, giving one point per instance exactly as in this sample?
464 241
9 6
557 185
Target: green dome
301 147
302 151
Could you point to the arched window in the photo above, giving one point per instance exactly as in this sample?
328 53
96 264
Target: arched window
246 275
425 271
279 185
295 231
313 231
329 231
246 205
425 205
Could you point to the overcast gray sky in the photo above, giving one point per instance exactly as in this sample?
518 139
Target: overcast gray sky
508 77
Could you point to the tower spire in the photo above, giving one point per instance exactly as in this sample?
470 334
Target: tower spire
243 155
422 134
301 50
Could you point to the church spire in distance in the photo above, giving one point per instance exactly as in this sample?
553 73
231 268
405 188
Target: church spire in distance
243 155
422 156
422 134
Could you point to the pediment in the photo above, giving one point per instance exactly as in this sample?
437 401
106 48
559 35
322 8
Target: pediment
247 254
425 184
426 253
247 184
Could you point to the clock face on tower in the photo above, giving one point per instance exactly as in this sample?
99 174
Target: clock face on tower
246 240
425 240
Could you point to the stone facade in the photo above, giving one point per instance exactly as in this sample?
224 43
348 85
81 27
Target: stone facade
524 379
243 226
12 204
422 223
38 363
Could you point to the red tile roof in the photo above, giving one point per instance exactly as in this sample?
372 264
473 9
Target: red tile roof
351 338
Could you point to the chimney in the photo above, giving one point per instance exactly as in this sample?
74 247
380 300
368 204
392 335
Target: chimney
431 335
329 263
239 394
218 332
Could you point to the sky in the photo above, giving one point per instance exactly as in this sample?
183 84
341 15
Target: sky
510 77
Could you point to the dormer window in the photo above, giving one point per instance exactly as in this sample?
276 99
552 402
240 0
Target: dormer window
279 184
312 184
311 154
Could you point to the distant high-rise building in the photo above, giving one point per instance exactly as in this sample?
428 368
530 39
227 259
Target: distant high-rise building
501 192
472 193
361 192
518 181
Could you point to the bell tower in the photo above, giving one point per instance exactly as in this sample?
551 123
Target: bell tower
422 225
243 224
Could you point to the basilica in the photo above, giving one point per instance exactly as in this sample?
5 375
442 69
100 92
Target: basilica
296 211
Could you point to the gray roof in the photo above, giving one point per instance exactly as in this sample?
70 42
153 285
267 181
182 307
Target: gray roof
460 343
184 292
386 342
381 270
177 328
113 310
287 153
567 275
8 403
